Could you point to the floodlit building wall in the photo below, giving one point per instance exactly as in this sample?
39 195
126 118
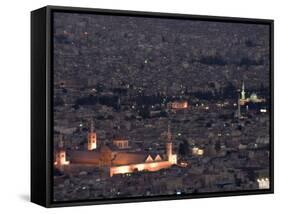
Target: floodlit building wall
152 166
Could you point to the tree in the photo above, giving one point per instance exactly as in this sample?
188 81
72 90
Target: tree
184 148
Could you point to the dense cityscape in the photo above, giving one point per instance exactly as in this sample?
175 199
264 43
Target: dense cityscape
152 107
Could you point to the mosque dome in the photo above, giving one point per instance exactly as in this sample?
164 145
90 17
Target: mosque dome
254 97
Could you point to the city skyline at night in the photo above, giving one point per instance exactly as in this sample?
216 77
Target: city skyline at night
156 106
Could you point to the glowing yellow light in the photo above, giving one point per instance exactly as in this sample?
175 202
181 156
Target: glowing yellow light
197 151
140 167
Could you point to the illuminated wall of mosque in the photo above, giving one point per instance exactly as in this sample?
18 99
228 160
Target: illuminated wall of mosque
148 166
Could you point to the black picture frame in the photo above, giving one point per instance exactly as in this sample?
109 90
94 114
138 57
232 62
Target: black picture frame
41 104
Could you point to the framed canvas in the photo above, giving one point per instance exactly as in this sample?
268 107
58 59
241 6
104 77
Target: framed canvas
138 106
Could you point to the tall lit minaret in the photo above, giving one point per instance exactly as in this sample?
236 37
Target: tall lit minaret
61 154
92 137
169 148
243 91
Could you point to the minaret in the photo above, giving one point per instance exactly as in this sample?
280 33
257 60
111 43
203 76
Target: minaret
61 154
92 137
243 91
169 148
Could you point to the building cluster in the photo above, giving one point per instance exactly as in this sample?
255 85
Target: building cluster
253 101
215 156
253 98
117 158
159 73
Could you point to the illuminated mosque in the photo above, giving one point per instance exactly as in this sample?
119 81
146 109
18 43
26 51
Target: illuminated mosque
252 99
117 157
246 101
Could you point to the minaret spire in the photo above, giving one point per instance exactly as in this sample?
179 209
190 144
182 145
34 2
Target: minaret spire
61 142
169 134
92 126
243 91
172 158
92 137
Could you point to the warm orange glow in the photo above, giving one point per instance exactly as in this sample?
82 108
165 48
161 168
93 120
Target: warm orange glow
124 169
120 170
92 141
65 162
152 166
61 159
197 151
173 159
179 105
149 164
121 143
242 102
140 167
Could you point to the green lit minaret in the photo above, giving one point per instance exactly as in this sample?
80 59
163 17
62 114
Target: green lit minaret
243 91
